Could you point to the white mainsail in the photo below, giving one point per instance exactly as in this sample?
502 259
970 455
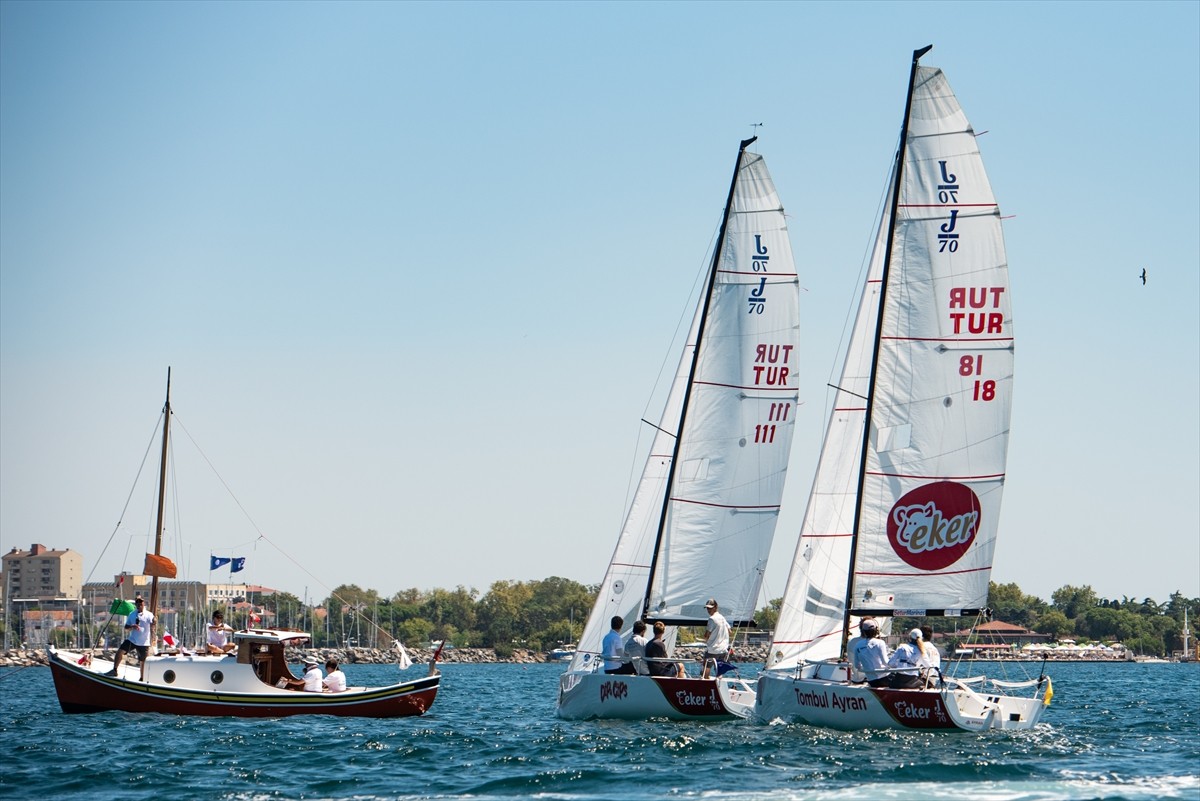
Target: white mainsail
737 404
927 503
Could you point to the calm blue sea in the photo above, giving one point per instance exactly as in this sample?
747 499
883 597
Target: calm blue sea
1114 731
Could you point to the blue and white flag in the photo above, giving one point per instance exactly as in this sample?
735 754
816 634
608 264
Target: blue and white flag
239 563
217 561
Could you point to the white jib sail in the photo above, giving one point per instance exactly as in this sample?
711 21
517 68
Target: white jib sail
812 612
734 444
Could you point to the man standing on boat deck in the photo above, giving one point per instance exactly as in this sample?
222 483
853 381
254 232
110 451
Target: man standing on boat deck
613 650
869 654
716 639
140 628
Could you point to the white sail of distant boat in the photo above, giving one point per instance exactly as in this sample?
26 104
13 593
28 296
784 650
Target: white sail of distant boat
904 510
703 515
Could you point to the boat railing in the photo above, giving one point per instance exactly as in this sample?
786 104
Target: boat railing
985 704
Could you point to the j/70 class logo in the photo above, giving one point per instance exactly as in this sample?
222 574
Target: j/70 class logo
932 526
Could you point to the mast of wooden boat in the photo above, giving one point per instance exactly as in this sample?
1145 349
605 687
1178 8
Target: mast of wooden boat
162 502
687 392
897 176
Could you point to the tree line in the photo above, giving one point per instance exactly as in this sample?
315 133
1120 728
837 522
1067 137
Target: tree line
540 615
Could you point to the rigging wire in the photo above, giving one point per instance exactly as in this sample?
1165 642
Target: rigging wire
356 608
128 499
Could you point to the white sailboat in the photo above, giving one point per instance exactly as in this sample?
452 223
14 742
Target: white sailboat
703 516
902 518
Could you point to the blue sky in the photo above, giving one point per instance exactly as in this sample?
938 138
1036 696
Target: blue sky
416 267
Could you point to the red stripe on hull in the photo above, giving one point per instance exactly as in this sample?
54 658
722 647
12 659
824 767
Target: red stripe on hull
697 698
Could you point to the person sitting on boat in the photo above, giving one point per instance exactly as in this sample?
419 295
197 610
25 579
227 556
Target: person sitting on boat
869 654
635 648
312 675
613 650
140 625
335 679
218 635
656 655
906 662
716 637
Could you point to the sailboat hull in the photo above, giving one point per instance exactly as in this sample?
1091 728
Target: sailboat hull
834 704
599 695
185 686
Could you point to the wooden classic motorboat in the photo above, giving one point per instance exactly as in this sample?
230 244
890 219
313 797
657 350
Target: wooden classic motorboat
253 680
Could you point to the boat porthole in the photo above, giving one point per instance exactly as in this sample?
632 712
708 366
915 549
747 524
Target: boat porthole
169 677
742 442
217 677
947 402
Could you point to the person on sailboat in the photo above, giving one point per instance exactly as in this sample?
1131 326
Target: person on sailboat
906 662
932 669
140 625
716 639
635 648
869 654
613 650
656 655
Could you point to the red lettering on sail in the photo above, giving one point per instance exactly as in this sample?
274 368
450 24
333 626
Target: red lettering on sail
976 297
932 526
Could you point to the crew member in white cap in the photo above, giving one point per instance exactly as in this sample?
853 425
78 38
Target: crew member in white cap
906 661
716 639
312 675
869 654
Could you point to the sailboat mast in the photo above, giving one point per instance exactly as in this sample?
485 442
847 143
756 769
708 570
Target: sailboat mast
162 493
687 393
897 178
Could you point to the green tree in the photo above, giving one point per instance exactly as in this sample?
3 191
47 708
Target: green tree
1074 601
1054 623
501 612
1009 604
455 607
415 632
768 616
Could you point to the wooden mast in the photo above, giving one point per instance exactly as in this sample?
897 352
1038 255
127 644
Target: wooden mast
162 502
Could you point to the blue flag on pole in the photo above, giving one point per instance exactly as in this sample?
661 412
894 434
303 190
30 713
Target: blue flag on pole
217 561
239 563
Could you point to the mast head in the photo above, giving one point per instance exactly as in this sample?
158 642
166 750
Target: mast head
747 142
918 53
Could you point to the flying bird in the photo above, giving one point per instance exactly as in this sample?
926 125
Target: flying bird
1143 276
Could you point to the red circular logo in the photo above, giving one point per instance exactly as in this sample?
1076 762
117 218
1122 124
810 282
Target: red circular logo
932 526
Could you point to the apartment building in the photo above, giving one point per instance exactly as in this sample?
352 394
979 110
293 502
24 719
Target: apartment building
42 574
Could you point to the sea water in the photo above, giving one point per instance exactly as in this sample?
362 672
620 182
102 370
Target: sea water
1113 731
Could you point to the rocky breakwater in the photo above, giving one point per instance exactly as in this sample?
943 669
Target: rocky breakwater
382 656
24 658
476 656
